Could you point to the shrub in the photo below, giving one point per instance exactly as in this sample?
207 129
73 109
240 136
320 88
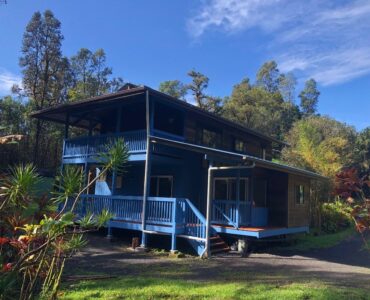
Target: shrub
336 216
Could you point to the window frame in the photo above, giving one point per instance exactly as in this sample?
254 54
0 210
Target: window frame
228 190
299 194
157 177
217 137
243 142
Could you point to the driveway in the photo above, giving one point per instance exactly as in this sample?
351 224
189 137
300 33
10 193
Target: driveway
341 265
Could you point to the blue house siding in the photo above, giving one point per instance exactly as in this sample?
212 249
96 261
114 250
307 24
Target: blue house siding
184 142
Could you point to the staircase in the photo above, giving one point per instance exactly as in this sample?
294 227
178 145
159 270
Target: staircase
218 245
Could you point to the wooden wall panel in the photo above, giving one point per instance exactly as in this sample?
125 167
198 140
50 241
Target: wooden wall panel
298 214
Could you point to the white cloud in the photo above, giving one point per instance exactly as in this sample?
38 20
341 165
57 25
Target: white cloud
7 80
325 39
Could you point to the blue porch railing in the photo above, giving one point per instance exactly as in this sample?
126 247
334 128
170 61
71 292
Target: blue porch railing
91 145
230 213
176 215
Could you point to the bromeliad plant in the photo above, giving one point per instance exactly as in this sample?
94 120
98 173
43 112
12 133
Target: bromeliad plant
355 191
35 238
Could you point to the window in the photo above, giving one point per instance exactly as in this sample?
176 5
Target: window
226 189
161 186
263 153
299 194
210 138
240 146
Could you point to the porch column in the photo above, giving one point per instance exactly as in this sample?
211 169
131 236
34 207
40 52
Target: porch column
86 174
237 215
174 219
209 207
118 128
146 171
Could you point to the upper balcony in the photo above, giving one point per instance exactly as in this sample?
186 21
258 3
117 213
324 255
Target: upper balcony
86 148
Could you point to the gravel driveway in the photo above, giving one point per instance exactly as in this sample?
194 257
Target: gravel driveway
332 266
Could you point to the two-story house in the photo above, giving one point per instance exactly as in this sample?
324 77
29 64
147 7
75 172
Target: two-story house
191 174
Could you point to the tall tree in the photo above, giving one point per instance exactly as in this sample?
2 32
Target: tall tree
198 86
286 85
91 76
309 98
268 77
42 65
256 108
174 88
320 144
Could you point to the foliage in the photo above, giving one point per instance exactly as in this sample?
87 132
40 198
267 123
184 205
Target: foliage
91 76
309 98
174 88
197 87
362 151
45 71
257 108
320 144
336 216
12 116
317 240
35 238
354 189
268 77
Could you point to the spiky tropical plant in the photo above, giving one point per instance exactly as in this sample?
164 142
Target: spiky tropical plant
33 246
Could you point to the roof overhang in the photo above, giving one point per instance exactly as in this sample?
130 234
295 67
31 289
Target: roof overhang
237 157
59 112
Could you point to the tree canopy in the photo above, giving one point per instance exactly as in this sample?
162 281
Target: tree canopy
320 144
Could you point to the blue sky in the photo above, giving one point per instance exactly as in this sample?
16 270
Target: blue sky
155 40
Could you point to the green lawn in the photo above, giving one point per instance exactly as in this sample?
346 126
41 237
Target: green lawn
155 288
311 241
180 280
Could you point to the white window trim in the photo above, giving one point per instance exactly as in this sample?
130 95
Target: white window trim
303 195
157 186
227 187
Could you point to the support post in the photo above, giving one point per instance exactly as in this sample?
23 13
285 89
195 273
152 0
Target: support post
209 207
146 171
118 128
109 233
86 174
174 219
237 215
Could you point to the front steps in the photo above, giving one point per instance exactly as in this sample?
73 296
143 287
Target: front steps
218 245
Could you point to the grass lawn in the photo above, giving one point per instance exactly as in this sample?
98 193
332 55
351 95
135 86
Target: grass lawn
155 288
311 241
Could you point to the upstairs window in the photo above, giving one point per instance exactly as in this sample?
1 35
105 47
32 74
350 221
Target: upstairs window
299 194
240 146
210 138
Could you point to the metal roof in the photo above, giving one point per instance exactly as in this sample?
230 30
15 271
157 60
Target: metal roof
237 157
55 113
